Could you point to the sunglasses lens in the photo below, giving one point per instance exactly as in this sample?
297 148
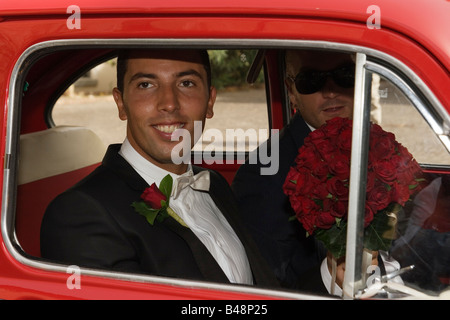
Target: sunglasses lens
309 82
345 77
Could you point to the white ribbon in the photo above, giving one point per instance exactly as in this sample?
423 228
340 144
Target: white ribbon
200 182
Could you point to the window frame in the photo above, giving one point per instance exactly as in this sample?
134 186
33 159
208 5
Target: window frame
437 120
13 132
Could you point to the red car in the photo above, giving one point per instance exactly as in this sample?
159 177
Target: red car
52 47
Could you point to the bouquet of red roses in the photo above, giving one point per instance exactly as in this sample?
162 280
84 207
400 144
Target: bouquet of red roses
318 184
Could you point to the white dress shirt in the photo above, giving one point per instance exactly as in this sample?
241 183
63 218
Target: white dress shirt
201 215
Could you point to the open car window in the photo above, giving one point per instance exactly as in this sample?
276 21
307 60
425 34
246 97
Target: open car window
416 255
240 121
243 114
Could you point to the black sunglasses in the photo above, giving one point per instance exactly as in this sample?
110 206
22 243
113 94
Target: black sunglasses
311 81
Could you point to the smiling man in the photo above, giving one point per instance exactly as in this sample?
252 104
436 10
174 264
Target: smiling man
94 224
160 95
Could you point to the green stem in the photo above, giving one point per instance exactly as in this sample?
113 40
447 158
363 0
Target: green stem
176 217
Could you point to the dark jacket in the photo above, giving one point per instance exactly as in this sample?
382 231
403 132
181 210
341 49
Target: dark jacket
93 225
266 210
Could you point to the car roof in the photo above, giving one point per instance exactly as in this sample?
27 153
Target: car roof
425 21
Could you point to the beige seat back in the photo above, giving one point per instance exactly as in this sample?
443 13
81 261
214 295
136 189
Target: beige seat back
50 162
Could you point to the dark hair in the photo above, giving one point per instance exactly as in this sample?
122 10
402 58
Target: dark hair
122 59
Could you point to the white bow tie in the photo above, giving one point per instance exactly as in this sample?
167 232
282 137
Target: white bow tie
200 182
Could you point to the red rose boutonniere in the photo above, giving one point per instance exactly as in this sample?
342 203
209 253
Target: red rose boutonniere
155 204
318 185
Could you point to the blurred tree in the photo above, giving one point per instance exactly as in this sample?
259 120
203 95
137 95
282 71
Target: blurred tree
230 67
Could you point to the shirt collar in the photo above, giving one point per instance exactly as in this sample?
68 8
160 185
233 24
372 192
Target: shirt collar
147 170
310 126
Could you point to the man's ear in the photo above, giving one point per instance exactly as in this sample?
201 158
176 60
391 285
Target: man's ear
290 86
211 102
118 98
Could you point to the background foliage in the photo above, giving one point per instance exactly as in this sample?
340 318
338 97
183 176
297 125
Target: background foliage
230 67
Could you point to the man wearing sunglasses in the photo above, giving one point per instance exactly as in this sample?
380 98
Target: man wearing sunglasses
320 86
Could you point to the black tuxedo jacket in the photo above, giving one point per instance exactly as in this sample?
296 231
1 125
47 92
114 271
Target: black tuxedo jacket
93 225
266 210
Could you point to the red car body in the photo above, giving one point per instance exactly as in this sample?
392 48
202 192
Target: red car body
416 34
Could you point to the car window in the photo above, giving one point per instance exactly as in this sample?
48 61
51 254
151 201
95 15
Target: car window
392 110
241 115
240 122
391 213
416 253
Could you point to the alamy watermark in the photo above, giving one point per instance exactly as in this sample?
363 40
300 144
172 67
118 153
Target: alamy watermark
74 20
74 280
234 140
374 20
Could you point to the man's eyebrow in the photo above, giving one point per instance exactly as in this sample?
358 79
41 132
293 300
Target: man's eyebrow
190 72
142 75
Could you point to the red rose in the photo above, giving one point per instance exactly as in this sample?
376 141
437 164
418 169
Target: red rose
379 197
344 140
340 209
325 220
385 170
407 167
405 155
313 136
382 143
368 216
307 157
307 212
335 126
320 191
337 188
371 177
152 196
320 170
290 184
325 148
299 181
406 176
296 204
400 193
340 165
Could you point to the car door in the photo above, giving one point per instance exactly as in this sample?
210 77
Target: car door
413 82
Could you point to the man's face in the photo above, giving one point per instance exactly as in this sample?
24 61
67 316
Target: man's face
163 91
329 101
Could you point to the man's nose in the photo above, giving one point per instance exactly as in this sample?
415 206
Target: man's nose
168 99
330 89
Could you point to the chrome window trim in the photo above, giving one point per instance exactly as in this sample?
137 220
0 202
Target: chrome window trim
439 125
353 280
13 114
